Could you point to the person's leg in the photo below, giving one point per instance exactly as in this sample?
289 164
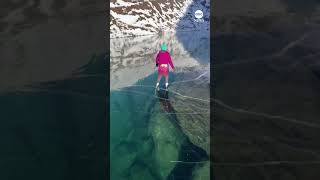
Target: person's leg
158 80
167 80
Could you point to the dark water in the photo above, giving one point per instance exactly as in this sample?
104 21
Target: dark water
56 130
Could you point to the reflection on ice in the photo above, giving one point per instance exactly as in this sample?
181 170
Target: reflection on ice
133 58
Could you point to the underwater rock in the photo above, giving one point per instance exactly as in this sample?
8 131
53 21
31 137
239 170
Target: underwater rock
139 172
202 172
124 155
146 147
167 143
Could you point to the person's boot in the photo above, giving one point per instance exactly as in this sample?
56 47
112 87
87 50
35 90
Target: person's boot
167 85
157 86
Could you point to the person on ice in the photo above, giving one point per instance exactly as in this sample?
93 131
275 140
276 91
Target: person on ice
163 60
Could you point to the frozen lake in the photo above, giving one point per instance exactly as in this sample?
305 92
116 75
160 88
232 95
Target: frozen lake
160 135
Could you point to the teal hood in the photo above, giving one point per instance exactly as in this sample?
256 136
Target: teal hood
163 47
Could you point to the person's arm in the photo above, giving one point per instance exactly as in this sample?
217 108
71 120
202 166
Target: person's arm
157 59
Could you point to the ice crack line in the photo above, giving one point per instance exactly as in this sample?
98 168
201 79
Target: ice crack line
266 163
166 112
148 95
68 92
292 120
314 125
189 162
280 53
308 124
172 91
190 80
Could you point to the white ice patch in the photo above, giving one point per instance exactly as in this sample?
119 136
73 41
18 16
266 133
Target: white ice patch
120 3
128 19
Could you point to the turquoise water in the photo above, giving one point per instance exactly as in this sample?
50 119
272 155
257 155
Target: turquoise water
147 141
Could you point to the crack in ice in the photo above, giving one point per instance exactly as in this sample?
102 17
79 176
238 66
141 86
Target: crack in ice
266 163
314 125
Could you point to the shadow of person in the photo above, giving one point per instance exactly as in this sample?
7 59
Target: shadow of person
163 96
189 154
164 100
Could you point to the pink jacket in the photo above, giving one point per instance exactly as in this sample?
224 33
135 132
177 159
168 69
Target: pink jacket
164 57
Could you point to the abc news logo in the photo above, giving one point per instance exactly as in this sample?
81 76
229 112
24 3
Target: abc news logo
198 14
